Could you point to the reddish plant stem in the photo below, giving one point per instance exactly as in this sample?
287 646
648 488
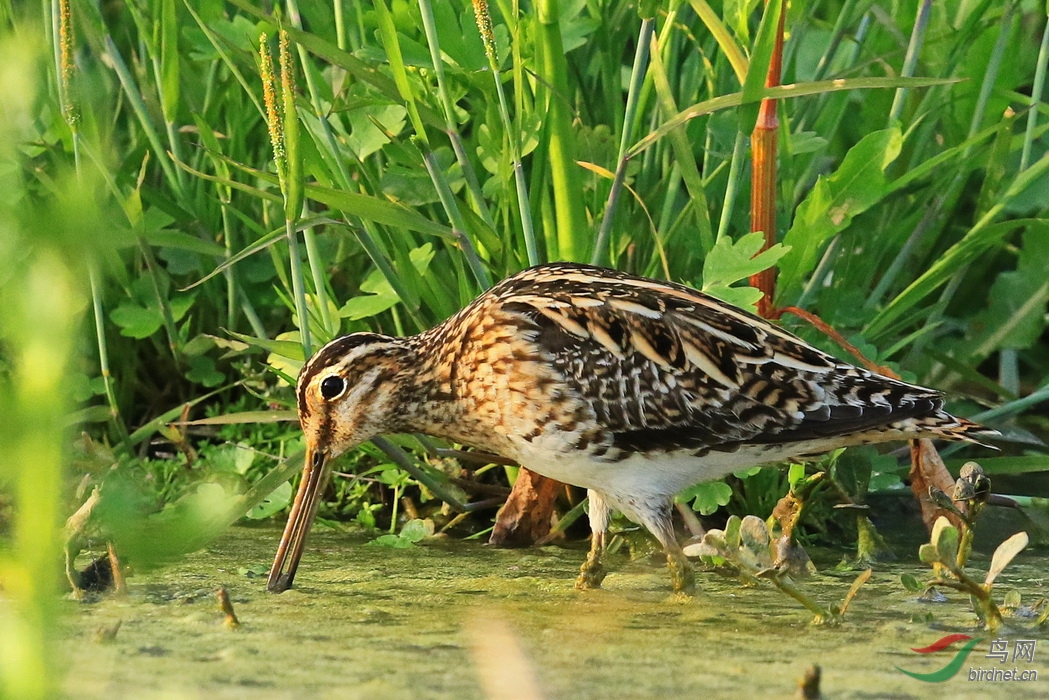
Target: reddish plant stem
825 328
763 144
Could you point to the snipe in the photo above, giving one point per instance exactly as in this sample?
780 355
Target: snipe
632 388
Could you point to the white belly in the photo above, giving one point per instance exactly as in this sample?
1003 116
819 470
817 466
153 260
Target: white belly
656 478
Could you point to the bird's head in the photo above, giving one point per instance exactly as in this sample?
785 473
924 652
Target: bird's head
346 395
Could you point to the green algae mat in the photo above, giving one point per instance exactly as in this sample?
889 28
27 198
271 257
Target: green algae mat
453 619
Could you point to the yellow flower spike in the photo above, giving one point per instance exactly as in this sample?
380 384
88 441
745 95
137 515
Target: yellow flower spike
273 108
293 190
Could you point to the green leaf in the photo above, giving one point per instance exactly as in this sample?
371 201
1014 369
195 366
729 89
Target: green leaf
276 501
732 50
928 554
707 497
732 528
381 295
136 321
202 371
231 458
392 541
367 306
945 538
1015 316
857 184
378 210
788 91
416 530
366 137
729 262
911 583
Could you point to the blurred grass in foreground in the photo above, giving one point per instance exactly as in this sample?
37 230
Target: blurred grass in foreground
48 227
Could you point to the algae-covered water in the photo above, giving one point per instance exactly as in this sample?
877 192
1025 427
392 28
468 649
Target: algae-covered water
454 619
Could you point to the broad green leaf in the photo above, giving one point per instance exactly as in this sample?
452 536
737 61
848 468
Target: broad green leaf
136 321
365 136
181 527
928 554
392 541
272 504
202 370
729 262
1015 316
231 458
707 497
380 294
732 527
367 306
416 530
857 184
911 583
945 538
743 297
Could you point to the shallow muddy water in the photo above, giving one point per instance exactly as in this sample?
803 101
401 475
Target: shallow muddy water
450 619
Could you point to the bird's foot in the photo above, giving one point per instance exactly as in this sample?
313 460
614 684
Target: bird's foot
682 575
591 574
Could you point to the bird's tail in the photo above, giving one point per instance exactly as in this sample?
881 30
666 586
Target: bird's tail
944 426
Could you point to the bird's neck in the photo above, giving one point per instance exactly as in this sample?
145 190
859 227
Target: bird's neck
428 391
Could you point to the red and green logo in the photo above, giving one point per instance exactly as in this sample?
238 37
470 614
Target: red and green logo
953 666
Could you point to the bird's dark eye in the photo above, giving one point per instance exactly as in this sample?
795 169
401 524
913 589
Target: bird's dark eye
332 386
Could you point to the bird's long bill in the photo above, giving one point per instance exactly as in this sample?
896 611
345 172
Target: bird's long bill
300 519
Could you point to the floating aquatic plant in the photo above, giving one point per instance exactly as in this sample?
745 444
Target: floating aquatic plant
746 546
948 548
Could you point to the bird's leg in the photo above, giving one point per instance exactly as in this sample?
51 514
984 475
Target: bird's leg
682 575
593 573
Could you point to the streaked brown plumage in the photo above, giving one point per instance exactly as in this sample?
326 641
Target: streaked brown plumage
630 387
